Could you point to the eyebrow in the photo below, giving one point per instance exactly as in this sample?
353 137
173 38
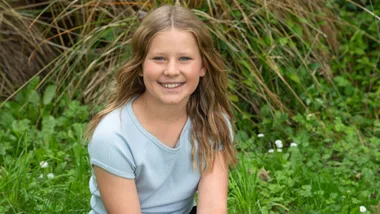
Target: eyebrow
158 53
162 53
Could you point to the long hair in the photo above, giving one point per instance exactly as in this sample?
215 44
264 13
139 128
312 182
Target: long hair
208 107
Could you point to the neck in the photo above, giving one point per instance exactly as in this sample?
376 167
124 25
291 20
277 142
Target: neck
160 111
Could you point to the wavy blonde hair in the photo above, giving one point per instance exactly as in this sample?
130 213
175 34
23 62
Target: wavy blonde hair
208 106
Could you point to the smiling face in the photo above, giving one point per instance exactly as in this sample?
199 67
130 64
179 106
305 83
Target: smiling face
172 67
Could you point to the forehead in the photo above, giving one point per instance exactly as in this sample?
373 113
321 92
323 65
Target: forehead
174 40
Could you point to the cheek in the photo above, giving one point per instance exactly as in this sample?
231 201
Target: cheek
195 70
149 69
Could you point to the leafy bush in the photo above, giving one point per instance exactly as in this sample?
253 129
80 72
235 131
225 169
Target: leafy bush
44 164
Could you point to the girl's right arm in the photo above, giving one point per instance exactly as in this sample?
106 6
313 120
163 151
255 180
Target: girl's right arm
119 195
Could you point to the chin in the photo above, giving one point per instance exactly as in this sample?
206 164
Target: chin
174 100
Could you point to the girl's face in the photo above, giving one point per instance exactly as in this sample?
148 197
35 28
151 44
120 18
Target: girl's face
172 67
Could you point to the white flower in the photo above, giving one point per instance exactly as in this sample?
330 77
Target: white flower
293 144
278 143
279 150
50 175
44 164
270 150
363 209
41 176
260 135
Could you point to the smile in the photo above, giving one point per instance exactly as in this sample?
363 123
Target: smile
171 85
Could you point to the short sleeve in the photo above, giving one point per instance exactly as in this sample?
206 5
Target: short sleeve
221 147
229 127
110 151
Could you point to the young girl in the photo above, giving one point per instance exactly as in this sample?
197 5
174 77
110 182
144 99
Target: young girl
166 132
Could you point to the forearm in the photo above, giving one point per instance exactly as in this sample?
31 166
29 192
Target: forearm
213 189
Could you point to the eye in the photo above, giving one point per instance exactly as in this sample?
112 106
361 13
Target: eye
184 58
159 58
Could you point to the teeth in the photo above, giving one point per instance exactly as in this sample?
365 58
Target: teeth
171 85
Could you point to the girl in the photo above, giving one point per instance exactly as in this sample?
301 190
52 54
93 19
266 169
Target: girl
166 132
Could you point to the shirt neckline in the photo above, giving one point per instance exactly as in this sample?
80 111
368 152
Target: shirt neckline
154 139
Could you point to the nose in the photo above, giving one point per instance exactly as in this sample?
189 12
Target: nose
171 68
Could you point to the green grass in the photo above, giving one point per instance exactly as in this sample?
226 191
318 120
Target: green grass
308 178
25 186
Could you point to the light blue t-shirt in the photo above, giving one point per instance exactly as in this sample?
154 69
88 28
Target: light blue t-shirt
164 177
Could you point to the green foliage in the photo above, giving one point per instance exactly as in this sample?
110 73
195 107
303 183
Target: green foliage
358 80
332 169
32 133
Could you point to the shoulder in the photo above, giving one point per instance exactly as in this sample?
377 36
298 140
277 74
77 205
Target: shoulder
110 146
229 123
109 129
112 121
230 128
118 121
227 118
118 129
113 131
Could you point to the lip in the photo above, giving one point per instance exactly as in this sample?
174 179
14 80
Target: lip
171 82
180 85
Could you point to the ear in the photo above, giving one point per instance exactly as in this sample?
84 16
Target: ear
140 72
203 71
